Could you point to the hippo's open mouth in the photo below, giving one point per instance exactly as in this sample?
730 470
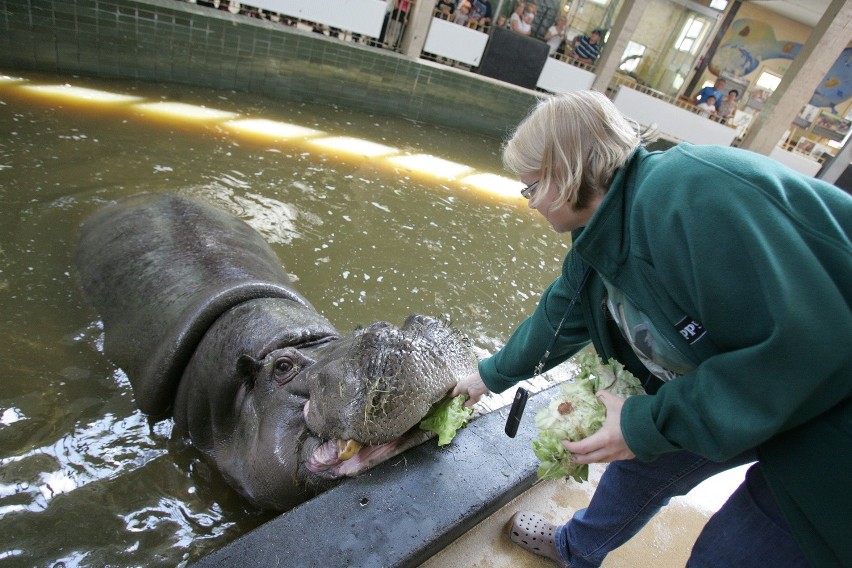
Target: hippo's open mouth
348 458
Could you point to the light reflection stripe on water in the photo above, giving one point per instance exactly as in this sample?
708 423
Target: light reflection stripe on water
421 164
186 111
275 129
80 94
426 164
499 185
355 146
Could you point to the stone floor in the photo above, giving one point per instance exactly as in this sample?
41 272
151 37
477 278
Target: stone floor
664 543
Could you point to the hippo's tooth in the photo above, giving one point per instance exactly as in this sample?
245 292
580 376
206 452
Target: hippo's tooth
347 448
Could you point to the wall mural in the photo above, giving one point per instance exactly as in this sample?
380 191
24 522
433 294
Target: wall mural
753 41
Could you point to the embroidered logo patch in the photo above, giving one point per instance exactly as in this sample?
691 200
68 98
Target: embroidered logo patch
690 329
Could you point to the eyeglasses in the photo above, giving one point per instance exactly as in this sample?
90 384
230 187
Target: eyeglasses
528 190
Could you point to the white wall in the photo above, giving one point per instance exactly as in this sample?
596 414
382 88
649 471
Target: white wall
798 162
455 42
672 120
560 77
359 16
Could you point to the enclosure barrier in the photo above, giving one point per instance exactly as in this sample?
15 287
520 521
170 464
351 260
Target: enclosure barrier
403 511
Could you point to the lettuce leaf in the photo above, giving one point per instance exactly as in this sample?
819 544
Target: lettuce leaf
446 417
577 413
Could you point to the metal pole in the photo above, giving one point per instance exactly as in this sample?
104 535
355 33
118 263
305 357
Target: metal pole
497 11
711 51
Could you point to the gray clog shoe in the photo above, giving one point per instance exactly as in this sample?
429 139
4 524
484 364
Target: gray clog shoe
533 533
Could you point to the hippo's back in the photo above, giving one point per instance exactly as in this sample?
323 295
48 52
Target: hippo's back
160 269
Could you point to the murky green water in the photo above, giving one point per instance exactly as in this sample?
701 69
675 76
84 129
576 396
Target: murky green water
84 479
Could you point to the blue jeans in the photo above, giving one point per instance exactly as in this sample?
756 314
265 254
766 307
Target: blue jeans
748 531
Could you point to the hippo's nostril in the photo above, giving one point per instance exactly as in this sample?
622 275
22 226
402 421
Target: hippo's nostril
377 326
419 320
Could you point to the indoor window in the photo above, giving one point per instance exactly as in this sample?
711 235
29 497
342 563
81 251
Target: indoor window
690 35
632 55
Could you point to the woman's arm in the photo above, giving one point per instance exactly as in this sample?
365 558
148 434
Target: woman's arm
517 360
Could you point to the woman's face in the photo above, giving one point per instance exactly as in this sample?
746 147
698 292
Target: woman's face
564 218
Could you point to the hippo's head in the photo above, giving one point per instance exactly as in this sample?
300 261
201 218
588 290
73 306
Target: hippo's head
369 389
288 416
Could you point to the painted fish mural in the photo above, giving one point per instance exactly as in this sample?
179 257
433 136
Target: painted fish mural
752 42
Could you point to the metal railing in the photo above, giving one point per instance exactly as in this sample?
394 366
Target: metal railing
462 20
621 79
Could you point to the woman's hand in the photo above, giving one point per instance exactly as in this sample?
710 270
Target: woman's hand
607 444
473 386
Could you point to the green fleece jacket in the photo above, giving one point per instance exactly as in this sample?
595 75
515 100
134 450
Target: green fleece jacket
760 258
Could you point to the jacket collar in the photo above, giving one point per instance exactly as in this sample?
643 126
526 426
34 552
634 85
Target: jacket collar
604 242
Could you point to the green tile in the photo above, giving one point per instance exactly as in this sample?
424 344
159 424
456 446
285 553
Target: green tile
178 42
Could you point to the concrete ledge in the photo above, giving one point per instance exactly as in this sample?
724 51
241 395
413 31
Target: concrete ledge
403 511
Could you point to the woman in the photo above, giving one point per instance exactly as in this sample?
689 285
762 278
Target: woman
518 22
555 34
724 282
728 107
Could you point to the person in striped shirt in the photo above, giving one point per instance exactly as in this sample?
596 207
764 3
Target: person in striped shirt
587 48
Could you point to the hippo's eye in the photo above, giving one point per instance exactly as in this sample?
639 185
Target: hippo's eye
285 370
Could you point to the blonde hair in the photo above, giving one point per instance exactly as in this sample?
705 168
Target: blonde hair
576 140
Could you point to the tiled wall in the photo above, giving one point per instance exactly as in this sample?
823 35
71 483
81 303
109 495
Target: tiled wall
168 40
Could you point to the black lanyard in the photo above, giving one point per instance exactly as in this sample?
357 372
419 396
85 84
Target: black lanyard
514 418
544 357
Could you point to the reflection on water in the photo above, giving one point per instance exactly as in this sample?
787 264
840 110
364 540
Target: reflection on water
384 219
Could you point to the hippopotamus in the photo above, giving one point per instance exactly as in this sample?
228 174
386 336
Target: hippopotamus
199 313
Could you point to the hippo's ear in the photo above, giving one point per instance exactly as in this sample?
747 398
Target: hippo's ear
247 368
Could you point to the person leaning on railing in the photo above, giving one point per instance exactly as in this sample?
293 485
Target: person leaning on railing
727 109
462 13
555 35
587 48
444 9
481 11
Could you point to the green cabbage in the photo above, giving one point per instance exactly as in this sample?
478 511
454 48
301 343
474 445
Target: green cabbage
578 413
445 418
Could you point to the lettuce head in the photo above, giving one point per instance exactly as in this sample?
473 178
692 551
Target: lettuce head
446 417
577 413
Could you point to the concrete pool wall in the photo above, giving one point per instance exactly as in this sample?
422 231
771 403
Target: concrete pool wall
173 41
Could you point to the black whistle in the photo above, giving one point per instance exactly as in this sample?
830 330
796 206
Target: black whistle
517 411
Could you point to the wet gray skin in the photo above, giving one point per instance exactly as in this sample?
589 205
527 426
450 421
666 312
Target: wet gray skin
380 382
200 315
